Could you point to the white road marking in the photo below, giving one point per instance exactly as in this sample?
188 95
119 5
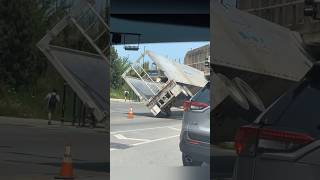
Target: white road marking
120 136
154 140
133 130
173 128
144 141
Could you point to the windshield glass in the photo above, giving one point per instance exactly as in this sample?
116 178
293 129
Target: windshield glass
299 109
203 95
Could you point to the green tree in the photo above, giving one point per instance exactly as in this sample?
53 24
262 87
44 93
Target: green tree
118 66
21 27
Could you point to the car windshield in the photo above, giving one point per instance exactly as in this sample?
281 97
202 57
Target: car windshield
203 95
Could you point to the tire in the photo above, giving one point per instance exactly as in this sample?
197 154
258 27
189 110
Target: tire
188 163
168 112
160 115
234 92
249 93
164 114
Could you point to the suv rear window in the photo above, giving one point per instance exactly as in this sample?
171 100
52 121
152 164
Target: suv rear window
203 95
299 109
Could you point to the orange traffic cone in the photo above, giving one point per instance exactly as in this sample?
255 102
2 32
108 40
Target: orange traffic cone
66 171
130 113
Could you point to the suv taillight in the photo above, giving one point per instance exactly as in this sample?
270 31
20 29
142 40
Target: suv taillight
194 105
246 139
249 140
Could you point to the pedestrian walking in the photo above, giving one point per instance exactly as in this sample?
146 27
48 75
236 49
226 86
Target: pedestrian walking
126 94
52 99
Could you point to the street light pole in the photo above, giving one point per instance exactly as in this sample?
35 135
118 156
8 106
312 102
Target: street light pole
144 52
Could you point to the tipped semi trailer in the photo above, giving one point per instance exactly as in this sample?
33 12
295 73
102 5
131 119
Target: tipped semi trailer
254 62
85 72
180 82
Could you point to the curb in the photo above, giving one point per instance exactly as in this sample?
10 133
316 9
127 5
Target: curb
43 123
122 100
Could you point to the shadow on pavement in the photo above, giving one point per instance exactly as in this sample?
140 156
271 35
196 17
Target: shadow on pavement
40 156
16 125
174 115
87 166
118 145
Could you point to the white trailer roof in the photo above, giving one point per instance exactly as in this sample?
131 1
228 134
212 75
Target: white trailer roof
250 43
177 72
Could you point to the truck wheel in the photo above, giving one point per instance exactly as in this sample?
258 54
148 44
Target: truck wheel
164 114
161 114
168 112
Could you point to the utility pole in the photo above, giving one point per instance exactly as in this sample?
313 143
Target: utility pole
144 52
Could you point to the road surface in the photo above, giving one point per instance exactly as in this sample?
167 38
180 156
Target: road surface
146 146
143 141
30 149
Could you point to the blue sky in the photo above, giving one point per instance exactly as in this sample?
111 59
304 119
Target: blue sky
171 50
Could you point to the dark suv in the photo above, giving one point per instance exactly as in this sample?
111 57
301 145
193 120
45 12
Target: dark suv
195 132
284 141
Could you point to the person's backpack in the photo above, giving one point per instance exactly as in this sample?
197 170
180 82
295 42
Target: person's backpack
52 101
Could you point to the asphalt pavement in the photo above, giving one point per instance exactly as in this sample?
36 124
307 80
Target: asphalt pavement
30 149
144 141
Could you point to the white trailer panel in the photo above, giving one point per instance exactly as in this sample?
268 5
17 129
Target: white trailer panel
177 72
247 42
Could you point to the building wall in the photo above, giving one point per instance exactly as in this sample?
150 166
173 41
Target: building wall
196 58
288 13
